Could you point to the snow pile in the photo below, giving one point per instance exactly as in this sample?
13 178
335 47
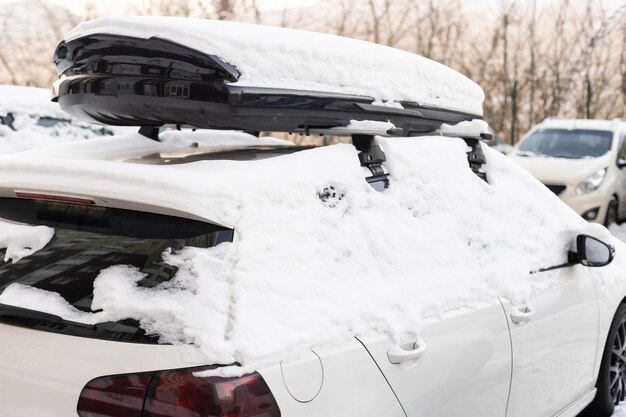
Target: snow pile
29 100
468 128
41 300
287 58
31 136
28 105
22 240
303 272
216 138
619 231
123 147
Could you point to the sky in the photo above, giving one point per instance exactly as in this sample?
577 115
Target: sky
117 7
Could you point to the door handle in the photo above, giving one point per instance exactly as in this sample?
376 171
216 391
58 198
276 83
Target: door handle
399 353
521 314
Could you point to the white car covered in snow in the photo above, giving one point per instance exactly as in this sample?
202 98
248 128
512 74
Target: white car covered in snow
413 273
29 119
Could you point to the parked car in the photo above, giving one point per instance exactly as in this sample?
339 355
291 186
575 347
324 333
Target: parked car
581 161
29 119
416 272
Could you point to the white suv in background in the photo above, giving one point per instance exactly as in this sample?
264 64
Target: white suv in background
581 161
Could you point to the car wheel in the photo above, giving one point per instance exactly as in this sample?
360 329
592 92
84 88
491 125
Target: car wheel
611 212
611 383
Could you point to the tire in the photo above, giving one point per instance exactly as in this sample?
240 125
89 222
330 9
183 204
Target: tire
611 382
611 212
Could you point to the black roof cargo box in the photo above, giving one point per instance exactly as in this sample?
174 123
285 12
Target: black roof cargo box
117 79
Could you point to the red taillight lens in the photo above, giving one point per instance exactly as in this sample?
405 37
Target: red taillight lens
181 394
177 393
54 197
119 396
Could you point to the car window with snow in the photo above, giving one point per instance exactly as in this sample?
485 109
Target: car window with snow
61 248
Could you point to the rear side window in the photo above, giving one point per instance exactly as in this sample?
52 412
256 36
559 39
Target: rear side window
88 239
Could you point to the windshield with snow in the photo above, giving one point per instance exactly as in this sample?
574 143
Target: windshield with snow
564 143
61 248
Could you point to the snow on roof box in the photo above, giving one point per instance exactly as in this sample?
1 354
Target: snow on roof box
165 66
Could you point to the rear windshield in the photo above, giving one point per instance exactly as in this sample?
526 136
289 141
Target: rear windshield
88 239
563 143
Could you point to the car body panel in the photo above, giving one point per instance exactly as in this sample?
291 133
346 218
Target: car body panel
352 386
36 364
554 352
562 170
611 293
53 368
465 369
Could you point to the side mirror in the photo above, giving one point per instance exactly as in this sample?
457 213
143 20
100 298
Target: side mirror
621 163
591 251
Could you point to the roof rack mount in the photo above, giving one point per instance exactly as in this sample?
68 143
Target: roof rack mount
372 158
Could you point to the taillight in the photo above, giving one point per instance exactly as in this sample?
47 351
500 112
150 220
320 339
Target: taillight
177 393
54 197
119 396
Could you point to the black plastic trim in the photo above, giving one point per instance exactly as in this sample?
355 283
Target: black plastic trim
125 55
131 101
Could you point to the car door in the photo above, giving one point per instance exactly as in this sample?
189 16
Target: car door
554 337
459 365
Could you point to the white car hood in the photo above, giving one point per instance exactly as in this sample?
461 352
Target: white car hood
561 170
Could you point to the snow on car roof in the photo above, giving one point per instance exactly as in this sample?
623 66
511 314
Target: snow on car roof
308 268
135 145
29 100
295 59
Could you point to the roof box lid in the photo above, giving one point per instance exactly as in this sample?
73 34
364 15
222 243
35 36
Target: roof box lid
272 57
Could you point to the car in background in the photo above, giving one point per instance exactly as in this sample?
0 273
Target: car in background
581 161
29 118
